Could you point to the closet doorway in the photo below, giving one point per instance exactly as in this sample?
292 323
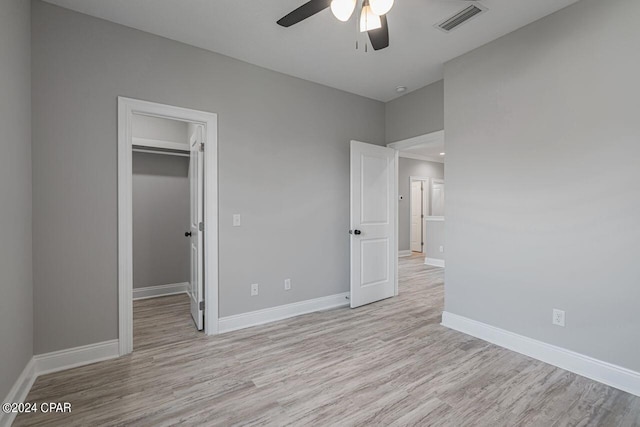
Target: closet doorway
167 222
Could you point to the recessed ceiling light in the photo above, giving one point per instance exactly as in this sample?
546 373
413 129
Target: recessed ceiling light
401 89
442 154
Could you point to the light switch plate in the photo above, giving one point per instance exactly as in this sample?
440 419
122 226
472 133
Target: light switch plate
236 220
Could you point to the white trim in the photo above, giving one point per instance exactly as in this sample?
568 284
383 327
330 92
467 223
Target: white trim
433 138
160 290
419 178
126 108
434 262
396 219
268 315
19 391
405 253
414 156
426 139
612 375
125 227
78 356
434 218
56 361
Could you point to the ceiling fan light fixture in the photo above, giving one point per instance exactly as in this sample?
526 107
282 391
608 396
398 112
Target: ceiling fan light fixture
343 9
369 20
381 7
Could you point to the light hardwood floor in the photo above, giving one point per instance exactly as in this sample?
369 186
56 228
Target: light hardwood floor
389 363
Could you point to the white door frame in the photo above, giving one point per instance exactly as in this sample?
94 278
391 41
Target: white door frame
425 205
126 108
433 138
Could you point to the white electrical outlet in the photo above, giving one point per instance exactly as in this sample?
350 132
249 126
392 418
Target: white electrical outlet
287 284
254 289
558 317
236 220
441 249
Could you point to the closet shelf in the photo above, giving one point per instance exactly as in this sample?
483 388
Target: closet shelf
158 143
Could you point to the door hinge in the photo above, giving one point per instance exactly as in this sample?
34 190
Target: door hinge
201 226
202 146
201 305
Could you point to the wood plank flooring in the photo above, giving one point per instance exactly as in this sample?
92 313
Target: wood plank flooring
389 363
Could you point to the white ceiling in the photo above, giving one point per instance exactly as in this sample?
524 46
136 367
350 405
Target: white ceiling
322 49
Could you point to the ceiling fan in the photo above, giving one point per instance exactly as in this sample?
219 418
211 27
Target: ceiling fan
373 19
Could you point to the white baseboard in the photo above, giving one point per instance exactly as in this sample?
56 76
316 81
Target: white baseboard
19 391
612 375
47 363
402 254
434 262
268 315
74 357
160 290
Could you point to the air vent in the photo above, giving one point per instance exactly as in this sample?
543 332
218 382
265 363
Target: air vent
461 17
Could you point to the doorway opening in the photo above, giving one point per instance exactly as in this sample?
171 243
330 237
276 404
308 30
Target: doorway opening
167 221
421 198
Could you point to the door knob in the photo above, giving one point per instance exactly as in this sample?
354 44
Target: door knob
187 234
356 232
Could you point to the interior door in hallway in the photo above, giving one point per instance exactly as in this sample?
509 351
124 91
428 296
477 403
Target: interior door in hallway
373 223
416 216
437 197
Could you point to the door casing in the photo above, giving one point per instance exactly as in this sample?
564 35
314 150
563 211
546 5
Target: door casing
127 107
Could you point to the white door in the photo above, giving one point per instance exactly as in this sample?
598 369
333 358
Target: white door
437 197
416 216
373 223
196 175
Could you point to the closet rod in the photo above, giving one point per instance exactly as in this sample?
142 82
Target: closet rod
169 153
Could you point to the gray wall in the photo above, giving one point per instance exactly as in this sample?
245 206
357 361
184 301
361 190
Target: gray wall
160 218
416 113
283 165
406 169
542 169
435 239
16 284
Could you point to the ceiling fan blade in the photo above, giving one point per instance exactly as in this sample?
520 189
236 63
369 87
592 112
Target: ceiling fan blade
305 11
380 37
